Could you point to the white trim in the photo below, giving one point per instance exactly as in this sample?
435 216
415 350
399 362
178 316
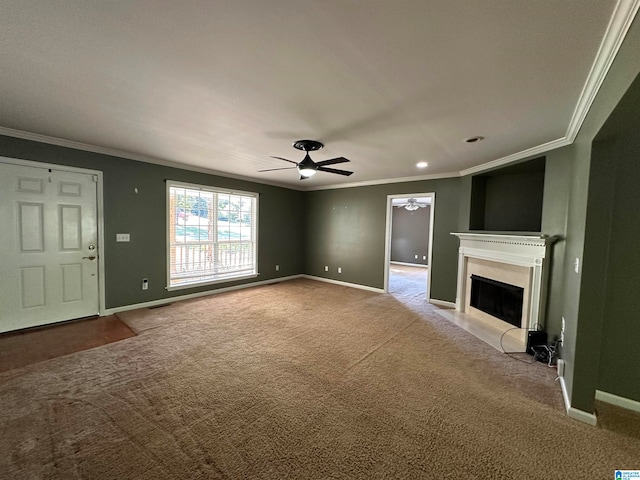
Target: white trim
230 278
565 394
387 237
384 181
217 278
99 213
619 23
114 152
529 152
344 284
576 414
582 416
164 301
528 251
442 303
420 265
622 402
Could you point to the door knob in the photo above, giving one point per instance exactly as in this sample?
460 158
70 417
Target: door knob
90 257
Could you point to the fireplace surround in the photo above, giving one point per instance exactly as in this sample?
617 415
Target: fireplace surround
516 260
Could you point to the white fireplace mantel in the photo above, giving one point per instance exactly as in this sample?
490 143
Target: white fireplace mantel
520 250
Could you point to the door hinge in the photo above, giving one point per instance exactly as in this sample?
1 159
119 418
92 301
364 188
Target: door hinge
95 178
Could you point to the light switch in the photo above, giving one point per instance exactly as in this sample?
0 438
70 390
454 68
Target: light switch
123 237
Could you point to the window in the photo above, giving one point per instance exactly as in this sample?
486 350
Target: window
211 235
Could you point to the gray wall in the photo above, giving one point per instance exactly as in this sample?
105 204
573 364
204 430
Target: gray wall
346 228
614 187
582 295
410 235
143 215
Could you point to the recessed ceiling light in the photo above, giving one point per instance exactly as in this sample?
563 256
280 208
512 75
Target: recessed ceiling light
475 139
422 164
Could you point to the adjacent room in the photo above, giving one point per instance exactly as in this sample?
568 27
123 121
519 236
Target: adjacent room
319 239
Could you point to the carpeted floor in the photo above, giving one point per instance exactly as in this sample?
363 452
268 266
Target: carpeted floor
301 380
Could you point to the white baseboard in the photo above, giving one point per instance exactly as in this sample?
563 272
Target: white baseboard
164 301
575 413
422 265
622 402
442 303
344 284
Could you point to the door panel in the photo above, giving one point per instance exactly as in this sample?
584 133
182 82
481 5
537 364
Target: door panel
48 246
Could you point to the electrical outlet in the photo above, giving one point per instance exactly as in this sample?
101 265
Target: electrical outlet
416 256
560 368
326 268
424 257
123 237
339 269
277 268
145 284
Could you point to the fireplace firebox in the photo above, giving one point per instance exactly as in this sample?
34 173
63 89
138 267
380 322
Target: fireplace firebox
498 299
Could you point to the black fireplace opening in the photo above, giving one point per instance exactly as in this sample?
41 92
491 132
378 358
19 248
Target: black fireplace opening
499 299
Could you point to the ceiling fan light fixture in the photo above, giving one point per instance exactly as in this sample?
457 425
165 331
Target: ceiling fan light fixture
411 208
307 171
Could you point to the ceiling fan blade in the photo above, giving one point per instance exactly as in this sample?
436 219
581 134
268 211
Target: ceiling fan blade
286 160
272 169
332 161
333 170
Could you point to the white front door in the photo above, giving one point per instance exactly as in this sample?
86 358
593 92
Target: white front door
48 246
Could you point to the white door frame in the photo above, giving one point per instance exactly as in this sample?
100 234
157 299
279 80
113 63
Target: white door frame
387 240
100 212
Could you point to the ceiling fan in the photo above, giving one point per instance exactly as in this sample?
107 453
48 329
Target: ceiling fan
308 167
412 205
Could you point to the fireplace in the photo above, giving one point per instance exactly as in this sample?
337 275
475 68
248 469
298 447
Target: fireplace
501 300
500 289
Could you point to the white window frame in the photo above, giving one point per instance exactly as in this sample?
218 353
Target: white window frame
213 277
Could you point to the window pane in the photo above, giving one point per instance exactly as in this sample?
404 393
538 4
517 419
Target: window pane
211 235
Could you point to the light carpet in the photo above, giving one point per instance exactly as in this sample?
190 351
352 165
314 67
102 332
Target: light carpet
303 380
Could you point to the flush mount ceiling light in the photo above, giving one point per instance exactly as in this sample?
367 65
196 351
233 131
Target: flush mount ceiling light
422 164
475 139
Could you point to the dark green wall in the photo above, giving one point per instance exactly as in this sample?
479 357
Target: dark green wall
509 199
582 293
614 187
143 215
346 228
410 235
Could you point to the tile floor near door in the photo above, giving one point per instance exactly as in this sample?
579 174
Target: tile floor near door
34 345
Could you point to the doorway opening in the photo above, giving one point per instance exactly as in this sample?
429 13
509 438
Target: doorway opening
408 244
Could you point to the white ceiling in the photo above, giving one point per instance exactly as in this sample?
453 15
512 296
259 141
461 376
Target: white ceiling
222 85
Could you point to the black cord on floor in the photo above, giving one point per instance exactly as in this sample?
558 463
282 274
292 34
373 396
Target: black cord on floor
510 354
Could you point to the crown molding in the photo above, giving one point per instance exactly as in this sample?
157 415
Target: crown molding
623 14
619 24
529 152
384 181
86 147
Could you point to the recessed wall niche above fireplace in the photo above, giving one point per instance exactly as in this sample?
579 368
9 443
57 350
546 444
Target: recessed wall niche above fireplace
501 284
